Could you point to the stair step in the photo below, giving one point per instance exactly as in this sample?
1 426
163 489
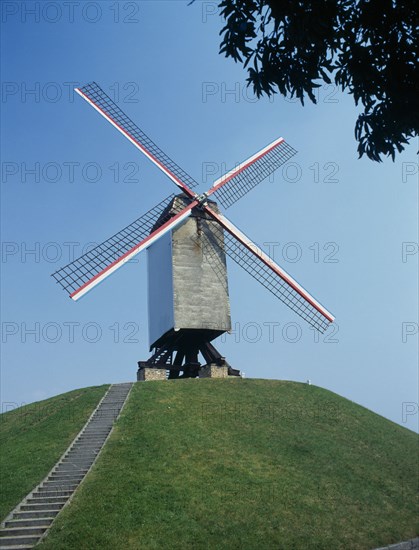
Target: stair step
88 445
95 441
82 445
41 507
99 434
81 457
33 522
59 486
63 477
52 490
69 469
46 500
22 531
76 474
100 426
19 546
78 462
53 493
57 489
86 465
18 542
96 429
81 453
47 513
75 471
82 449
91 439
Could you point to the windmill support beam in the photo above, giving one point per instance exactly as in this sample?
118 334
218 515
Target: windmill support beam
177 356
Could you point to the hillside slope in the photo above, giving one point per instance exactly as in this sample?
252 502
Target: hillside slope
245 464
33 437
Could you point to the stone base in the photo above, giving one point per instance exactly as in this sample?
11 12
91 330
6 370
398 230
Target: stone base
145 374
212 371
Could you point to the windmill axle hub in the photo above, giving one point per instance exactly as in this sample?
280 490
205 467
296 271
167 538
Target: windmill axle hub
202 199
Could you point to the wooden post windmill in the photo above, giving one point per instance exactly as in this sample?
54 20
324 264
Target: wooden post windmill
187 239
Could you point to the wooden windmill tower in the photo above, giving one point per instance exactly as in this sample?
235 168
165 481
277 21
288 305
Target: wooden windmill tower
187 292
187 238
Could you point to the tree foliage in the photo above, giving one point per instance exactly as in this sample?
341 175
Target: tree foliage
366 47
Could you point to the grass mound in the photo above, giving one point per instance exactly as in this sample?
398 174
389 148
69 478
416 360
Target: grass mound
246 464
33 437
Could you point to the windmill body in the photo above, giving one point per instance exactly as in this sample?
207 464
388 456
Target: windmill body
187 238
187 280
188 301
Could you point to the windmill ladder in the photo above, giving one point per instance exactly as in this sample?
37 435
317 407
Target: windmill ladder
29 522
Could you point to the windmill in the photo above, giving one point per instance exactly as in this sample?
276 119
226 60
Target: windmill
187 239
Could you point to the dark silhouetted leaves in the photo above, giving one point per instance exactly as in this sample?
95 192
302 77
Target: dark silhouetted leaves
366 47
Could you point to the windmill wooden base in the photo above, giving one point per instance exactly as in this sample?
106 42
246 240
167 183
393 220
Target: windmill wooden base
178 355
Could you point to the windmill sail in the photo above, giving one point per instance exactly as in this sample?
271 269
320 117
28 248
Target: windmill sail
98 99
258 264
237 182
81 275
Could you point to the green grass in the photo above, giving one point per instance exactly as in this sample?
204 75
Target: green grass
245 464
33 437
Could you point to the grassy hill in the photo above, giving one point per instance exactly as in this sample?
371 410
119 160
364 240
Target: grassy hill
33 437
245 464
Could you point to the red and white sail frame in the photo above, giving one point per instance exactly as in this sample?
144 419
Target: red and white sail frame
252 247
148 241
137 144
243 165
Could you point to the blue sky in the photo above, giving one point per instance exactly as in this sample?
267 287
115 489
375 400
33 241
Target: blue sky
346 229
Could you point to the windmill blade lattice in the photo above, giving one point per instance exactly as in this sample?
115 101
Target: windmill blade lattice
274 283
249 256
80 271
94 94
242 179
